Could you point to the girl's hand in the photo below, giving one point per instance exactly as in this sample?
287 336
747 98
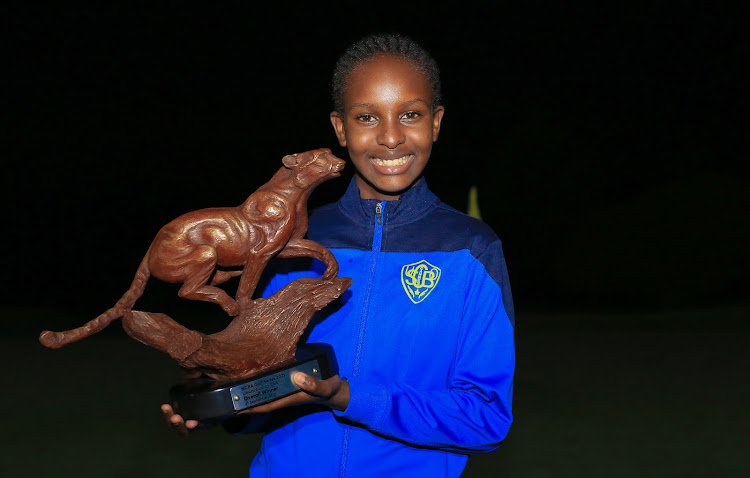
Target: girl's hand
332 392
176 421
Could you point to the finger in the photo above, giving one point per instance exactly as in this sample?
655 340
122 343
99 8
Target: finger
304 381
311 391
168 413
176 421
179 426
332 391
322 389
313 386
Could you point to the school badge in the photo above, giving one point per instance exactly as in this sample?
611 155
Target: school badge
419 279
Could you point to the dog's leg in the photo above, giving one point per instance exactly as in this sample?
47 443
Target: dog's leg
222 276
254 267
308 248
196 287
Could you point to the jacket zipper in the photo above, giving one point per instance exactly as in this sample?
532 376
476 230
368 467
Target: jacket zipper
377 237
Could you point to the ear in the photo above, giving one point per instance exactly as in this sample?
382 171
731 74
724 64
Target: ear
290 160
437 118
338 127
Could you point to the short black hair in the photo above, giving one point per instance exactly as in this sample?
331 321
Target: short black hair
378 44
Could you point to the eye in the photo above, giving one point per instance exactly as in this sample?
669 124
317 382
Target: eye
366 118
411 115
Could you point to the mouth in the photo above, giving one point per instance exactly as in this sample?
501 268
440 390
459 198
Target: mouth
337 168
392 166
391 162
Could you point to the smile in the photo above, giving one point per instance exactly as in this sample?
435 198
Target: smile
391 162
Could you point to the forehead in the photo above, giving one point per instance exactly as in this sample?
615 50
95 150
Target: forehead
388 76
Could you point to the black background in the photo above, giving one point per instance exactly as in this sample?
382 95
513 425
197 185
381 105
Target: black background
608 144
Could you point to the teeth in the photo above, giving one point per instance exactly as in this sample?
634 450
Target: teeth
391 162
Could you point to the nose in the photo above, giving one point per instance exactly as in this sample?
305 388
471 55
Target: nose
391 134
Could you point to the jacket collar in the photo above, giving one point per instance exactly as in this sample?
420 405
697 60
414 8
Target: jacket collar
411 205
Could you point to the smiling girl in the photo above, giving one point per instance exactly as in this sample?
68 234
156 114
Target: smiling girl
424 337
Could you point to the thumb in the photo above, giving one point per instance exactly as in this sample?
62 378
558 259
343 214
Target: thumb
302 380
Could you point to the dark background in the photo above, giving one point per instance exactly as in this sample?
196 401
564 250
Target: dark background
608 143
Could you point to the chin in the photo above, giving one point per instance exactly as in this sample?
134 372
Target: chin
392 189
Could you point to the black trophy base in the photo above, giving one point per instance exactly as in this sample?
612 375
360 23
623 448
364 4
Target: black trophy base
206 399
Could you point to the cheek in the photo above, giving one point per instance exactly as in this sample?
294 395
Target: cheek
360 140
423 137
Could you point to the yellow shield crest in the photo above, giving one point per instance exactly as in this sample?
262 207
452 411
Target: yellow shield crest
419 279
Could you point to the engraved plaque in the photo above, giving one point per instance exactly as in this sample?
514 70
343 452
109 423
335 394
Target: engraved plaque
202 399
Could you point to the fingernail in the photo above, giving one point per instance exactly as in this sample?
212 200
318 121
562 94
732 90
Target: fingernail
300 379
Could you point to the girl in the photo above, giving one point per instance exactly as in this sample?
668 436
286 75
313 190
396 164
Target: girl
424 336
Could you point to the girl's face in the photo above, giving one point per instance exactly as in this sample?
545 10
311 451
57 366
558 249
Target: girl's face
388 126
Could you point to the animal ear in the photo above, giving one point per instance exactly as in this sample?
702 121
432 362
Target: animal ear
290 160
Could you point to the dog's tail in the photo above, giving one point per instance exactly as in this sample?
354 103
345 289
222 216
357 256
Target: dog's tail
56 340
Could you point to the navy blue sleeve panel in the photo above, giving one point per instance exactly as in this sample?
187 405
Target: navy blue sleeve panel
328 226
443 229
493 260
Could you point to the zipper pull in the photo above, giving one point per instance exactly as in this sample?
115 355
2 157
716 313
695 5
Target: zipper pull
378 211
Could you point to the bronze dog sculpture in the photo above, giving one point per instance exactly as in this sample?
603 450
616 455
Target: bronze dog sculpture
191 248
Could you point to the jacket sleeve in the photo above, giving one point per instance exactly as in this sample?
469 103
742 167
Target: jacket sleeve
472 414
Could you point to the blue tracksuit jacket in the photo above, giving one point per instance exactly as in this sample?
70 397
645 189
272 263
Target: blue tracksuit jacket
424 336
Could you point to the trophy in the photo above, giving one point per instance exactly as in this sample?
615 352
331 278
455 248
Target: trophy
251 361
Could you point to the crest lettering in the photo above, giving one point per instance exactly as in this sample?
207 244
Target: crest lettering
419 279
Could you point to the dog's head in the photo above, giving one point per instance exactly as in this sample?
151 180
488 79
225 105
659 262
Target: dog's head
313 167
